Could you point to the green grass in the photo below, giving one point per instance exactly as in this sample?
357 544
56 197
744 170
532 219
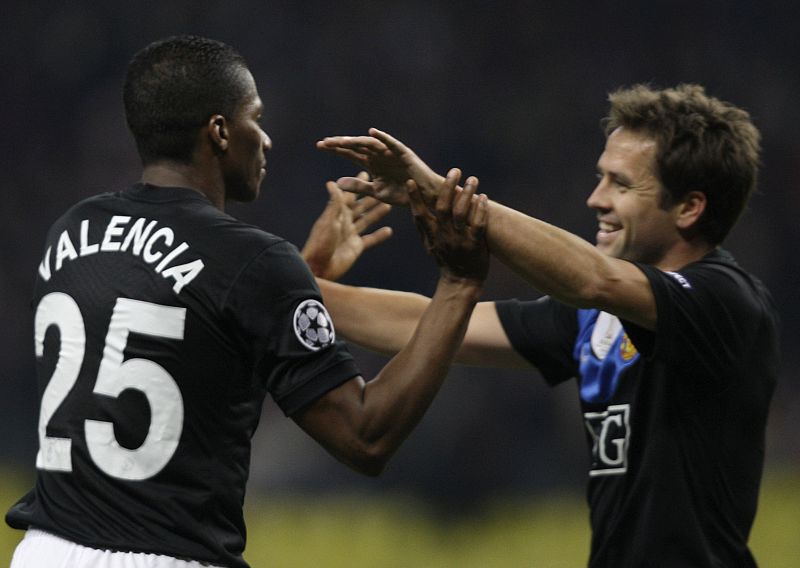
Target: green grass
355 532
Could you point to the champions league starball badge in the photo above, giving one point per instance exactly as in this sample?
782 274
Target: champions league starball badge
313 326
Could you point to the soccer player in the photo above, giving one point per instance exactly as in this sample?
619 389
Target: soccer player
673 345
161 323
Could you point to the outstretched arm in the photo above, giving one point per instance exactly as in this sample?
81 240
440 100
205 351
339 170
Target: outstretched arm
385 320
568 268
363 423
555 261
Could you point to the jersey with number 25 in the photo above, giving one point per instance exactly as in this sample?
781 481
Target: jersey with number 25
161 324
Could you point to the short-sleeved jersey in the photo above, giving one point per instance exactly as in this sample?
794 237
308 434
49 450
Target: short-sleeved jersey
675 418
161 323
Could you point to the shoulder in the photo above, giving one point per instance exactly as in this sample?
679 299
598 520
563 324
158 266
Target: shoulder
711 310
718 275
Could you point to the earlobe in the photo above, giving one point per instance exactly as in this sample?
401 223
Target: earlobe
217 128
691 209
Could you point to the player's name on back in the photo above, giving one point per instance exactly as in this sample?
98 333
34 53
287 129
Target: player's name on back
141 238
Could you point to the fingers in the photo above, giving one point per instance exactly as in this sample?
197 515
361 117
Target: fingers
335 192
370 213
364 211
389 141
479 213
447 191
336 206
376 238
415 201
356 185
422 216
358 144
347 153
463 202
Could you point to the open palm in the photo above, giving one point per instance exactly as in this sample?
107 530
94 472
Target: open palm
336 239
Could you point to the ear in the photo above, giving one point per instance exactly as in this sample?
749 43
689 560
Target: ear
217 129
690 209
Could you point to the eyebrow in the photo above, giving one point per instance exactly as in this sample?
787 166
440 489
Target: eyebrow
622 178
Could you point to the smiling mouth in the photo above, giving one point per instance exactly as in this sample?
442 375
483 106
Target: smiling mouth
606 232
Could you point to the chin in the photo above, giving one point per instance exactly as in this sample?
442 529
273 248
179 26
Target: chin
606 250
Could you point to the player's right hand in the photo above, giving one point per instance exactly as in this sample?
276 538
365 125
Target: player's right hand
454 230
390 164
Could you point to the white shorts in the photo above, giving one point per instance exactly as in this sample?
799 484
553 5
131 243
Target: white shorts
40 549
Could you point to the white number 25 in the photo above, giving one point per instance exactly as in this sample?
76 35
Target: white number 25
114 376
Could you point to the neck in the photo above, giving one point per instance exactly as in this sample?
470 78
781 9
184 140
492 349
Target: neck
174 174
685 254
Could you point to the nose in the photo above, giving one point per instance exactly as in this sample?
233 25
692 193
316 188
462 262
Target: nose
266 142
598 199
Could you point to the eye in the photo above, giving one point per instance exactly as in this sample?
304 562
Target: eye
621 184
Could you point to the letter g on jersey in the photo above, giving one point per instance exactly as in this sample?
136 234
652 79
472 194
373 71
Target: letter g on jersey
610 434
313 326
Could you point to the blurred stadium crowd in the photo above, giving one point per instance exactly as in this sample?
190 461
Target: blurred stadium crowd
511 92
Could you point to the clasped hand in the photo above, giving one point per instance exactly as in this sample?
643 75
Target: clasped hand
454 229
451 219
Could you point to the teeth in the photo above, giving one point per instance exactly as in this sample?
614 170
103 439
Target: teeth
607 226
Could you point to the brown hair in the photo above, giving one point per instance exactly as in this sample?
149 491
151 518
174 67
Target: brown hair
703 144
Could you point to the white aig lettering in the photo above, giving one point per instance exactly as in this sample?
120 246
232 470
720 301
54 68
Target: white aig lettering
610 434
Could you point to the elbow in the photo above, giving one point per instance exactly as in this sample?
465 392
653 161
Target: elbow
589 295
595 291
371 468
370 460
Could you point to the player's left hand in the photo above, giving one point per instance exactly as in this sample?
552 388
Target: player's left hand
337 238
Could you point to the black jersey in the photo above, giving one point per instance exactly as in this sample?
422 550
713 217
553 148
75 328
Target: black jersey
161 324
675 419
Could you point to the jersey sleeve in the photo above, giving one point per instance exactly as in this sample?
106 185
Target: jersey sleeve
277 308
543 331
707 316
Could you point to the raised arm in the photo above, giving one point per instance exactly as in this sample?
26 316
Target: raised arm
384 320
362 423
568 268
554 261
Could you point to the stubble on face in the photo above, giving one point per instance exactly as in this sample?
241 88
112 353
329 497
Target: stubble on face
632 223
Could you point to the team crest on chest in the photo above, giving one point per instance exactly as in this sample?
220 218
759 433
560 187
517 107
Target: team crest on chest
603 352
627 351
313 326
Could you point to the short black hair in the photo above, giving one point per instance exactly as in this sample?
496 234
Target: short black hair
173 86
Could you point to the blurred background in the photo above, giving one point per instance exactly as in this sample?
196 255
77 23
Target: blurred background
510 91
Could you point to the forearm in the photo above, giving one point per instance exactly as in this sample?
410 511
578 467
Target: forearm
396 399
379 320
555 261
